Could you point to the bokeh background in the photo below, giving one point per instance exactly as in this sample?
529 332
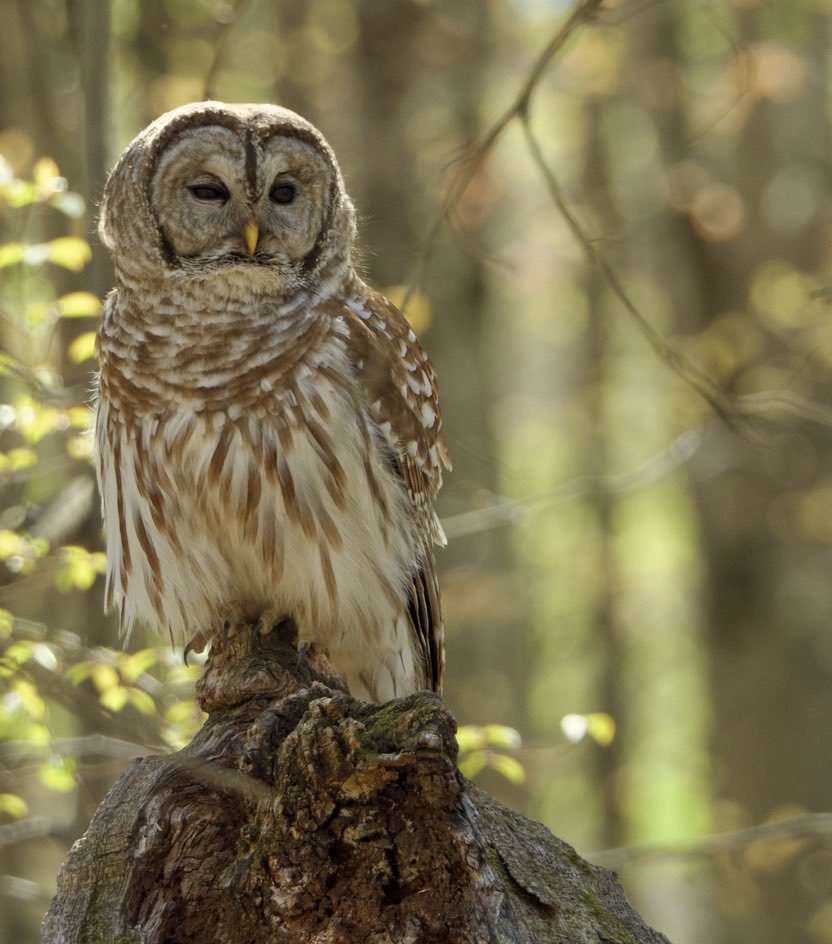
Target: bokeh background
627 299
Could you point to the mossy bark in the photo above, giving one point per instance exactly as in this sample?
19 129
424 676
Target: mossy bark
300 814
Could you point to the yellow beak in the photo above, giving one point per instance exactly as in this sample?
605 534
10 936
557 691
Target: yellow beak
251 234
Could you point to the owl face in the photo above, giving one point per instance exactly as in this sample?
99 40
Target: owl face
220 199
247 192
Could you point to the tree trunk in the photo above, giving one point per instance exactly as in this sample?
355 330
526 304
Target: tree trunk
300 814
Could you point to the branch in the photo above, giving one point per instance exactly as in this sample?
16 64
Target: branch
300 814
674 359
583 12
798 827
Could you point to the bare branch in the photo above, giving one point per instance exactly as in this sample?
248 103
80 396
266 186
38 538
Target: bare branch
653 469
226 27
583 12
671 357
799 827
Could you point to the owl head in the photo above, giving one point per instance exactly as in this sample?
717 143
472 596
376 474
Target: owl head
212 191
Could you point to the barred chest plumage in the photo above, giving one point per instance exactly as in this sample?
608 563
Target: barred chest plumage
242 474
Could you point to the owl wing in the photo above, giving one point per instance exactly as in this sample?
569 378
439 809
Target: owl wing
400 384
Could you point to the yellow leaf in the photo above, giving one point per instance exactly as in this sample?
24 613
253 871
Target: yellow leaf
14 805
500 735
509 767
114 698
82 348
142 701
79 305
69 252
601 727
105 679
79 417
11 254
80 671
469 737
473 763
58 774
133 664
47 177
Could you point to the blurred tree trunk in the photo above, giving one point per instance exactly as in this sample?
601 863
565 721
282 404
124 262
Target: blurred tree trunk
758 661
299 814
395 65
606 629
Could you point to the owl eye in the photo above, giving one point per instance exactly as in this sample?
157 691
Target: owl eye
209 192
282 193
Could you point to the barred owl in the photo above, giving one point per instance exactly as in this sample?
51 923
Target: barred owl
268 436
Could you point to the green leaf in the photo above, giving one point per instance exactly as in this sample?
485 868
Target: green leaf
11 254
597 724
79 417
28 699
33 420
14 805
19 193
469 737
601 727
82 348
69 203
80 568
473 763
509 767
105 678
58 773
19 652
47 177
17 459
69 252
501 735
140 700
133 664
79 305
80 672
115 698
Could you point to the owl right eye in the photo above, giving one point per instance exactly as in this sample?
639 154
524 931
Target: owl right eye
209 192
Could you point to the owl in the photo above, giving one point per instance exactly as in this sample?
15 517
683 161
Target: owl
268 434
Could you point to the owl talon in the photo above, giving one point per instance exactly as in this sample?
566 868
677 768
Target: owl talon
226 630
303 652
256 630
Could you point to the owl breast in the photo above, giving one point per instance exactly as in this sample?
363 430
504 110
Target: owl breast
277 496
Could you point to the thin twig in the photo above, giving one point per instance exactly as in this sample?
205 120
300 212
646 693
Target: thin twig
220 44
652 470
583 12
671 357
799 827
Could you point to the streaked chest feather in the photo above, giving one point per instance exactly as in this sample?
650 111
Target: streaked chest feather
286 503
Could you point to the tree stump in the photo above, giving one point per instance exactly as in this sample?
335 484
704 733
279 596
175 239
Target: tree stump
298 814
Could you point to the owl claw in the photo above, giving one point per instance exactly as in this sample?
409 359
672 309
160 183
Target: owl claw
189 648
256 630
226 630
303 652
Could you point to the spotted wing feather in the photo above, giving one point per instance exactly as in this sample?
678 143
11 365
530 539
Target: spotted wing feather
400 384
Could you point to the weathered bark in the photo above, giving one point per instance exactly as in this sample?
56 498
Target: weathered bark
300 814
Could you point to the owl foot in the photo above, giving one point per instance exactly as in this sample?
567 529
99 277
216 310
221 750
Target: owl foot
265 624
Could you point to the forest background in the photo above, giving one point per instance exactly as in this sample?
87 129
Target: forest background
613 230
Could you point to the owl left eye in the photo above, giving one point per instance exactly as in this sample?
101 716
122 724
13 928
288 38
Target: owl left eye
209 192
282 193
